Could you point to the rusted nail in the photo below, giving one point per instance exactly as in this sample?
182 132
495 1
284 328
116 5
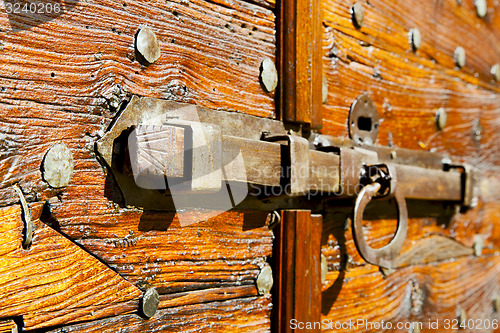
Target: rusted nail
415 39
478 245
481 8
29 227
441 118
358 15
324 90
150 302
324 268
147 45
268 75
495 71
459 57
265 280
57 166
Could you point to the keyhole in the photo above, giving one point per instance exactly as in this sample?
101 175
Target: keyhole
365 124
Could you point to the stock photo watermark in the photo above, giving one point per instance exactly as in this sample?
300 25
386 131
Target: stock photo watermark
25 14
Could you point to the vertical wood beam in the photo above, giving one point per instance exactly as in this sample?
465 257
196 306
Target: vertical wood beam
300 65
297 293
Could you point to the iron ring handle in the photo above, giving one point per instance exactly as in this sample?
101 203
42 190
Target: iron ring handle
384 256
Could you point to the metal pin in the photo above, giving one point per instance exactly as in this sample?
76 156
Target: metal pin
265 280
358 14
268 75
459 57
324 268
57 166
478 245
415 39
462 316
496 303
29 227
481 8
441 118
150 302
324 90
147 45
495 71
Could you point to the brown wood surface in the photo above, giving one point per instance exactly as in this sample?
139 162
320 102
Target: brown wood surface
8 326
414 294
55 281
300 61
211 52
297 294
249 314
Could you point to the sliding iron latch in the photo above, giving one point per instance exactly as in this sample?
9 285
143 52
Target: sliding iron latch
163 154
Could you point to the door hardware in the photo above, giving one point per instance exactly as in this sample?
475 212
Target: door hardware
202 146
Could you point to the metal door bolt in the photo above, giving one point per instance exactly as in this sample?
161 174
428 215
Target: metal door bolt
358 15
415 39
150 302
147 45
265 280
268 75
441 118
459 57
57 166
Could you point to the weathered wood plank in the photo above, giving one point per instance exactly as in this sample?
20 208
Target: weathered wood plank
239 315
8 326
55 281
409 88
413 294
152 248
210 54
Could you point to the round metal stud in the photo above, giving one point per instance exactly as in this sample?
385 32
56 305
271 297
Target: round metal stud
481 8
57 166
147 45
495 71
268 75
441 118
415 39
150 302
265 280
358 15
459 57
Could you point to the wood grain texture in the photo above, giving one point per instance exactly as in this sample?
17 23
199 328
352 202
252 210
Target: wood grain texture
8 326
414 294
55 281
152 249
238 315
300 73
298 270
409 87
217 45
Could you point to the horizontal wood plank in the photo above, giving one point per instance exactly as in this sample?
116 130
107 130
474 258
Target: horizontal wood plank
55 281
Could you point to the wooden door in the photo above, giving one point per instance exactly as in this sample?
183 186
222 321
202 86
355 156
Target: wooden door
78 255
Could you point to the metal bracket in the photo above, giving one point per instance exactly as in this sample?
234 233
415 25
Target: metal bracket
363 121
